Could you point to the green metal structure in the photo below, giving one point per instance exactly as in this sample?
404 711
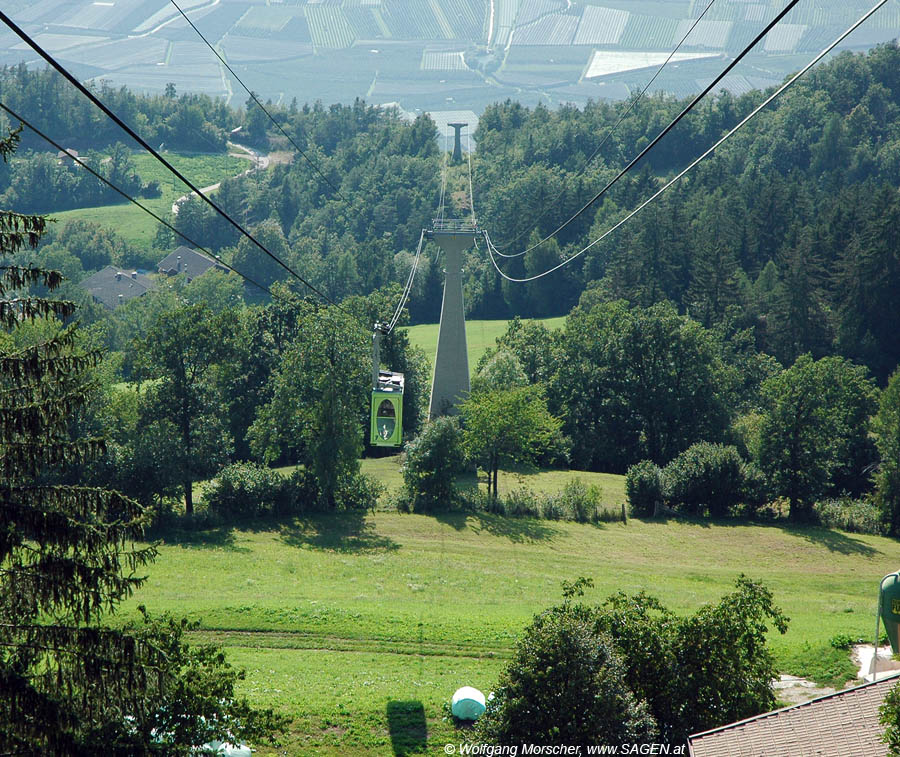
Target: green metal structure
889 605
387 399
387 410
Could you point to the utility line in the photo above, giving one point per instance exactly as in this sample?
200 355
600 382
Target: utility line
712 149
622 116
89 169
96 101
668 128
257 101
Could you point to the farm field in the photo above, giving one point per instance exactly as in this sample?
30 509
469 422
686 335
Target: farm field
479 335
360 626
344 49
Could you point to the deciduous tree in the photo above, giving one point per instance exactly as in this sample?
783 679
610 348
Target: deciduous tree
178 357
504 426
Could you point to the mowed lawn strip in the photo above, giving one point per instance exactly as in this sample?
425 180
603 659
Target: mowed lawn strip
350 612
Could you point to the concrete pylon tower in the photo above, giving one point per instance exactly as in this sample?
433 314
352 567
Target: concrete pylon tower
457 143
450 384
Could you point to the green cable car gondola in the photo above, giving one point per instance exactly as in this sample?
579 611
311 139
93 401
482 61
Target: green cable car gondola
387 401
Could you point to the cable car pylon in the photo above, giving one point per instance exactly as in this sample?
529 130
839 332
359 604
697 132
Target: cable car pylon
450 382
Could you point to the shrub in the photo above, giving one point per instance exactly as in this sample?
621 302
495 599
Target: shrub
247 490
579 502
358 492
644 488
551 510
845 641
859 516
630 671
566 684
754 488
889 717
430 466
521 503
705 476
304 493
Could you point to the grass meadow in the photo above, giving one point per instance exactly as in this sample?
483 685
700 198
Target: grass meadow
479 336
360 626
132 223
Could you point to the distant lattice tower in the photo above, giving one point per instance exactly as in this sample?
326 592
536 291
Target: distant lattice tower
457 143
450 383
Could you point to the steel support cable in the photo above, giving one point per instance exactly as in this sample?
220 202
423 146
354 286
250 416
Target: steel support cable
257 101
443 180
622 116
143 143
667 129
754 112
404 298
131 199
471 193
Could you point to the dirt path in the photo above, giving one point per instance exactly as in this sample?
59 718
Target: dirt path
260 163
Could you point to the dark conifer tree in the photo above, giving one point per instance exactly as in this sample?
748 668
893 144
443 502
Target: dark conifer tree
68 556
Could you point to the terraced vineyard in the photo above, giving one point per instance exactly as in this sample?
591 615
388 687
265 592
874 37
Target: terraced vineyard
338 50
329 27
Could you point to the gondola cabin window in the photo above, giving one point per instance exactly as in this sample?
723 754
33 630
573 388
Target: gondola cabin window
385 420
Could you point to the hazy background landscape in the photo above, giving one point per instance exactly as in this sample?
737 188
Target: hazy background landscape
431 54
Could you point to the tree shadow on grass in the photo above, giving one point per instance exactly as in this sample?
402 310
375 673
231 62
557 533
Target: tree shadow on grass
407 726
220 537
833 541
347 531
515 529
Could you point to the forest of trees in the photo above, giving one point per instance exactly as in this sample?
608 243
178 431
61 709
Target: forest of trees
733 347
774 263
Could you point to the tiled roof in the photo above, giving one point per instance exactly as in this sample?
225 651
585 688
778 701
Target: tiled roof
844 724
111 287
188 261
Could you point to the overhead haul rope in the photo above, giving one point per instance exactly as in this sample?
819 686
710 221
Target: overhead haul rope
622 116
257 101
757 109
667 129
90 170
404 298
471 193
142 142
443 179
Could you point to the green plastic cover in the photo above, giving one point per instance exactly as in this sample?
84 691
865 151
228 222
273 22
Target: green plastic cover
890 609
467 703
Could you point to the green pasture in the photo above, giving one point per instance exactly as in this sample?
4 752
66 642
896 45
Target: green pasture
479 336
360 626
138 227
611 486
